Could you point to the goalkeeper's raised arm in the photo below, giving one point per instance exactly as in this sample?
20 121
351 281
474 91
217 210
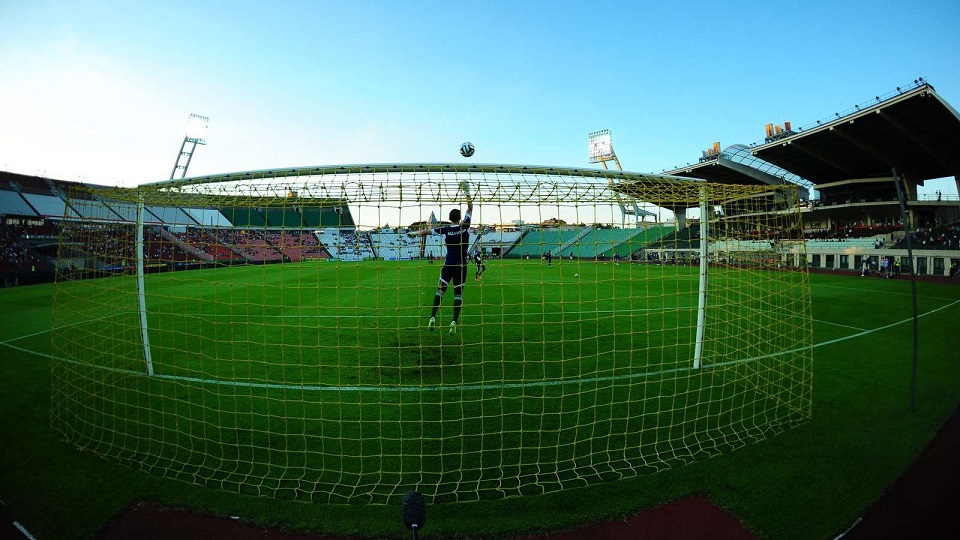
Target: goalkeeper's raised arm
465 187
434 230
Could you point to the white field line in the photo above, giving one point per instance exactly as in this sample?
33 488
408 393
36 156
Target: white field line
23 530
886 326
842 325
814 320
40 333
879 291
474 387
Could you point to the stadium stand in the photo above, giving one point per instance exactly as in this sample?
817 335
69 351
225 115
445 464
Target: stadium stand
394 245
727 246
605 243
12 203
167 215
251 243
244 217
346 244
47 206
204 245
283 217
14 255
945 238
496 243
433 247
207 217
296 245
537 242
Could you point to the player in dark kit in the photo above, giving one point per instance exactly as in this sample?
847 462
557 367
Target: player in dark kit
481 266
454 272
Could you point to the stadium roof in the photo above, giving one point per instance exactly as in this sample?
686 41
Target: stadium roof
405 168
737 165
911 130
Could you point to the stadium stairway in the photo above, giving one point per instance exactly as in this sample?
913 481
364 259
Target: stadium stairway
196 252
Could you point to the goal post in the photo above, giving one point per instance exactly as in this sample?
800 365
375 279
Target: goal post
266 332
702 284
141 293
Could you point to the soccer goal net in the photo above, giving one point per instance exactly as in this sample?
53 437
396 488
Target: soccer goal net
269 333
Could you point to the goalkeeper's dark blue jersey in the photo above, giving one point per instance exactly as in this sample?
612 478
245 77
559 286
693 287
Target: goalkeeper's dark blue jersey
457 238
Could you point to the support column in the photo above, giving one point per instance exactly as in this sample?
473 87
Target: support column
913 284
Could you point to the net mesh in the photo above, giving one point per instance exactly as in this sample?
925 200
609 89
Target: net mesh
275 341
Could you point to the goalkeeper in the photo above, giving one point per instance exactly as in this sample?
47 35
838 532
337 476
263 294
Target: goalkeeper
454 272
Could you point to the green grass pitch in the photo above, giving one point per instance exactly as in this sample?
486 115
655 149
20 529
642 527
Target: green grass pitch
307 342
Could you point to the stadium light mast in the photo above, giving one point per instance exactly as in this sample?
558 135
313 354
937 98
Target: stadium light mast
600 147
196 134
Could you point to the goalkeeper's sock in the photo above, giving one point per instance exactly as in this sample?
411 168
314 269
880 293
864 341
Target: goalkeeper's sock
457 303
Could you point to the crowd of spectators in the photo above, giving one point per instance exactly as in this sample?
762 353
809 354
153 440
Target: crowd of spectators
156 247
844 231
38 230
296 245
14 256
935 238
251 243
206 242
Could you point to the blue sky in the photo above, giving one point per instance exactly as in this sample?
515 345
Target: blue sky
100 91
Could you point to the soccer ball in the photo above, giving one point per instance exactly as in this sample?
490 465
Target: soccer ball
467 149
576 275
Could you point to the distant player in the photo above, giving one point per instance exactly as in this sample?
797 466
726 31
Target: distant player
456 236
549 257
481 266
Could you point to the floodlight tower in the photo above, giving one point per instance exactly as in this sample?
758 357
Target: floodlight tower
600 146
196 134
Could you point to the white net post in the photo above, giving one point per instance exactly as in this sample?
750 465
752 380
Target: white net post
702 284
141 290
